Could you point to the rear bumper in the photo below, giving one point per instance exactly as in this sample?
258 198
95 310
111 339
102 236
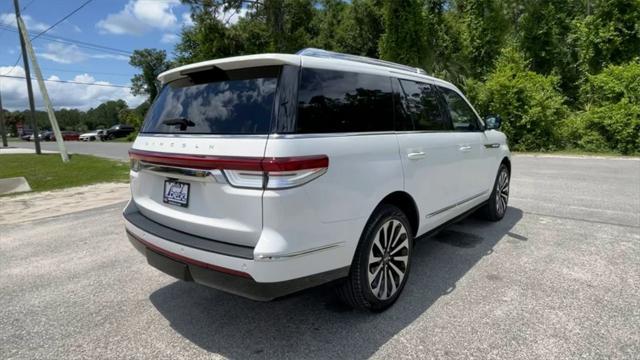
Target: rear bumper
230 268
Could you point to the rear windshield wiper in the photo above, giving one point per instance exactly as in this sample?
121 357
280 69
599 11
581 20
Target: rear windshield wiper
182 122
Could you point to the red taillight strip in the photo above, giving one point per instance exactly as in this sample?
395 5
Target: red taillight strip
295 163
208 162
190 261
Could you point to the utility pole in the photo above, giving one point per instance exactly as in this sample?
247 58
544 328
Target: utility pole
26 43
27 75
3 129
43 91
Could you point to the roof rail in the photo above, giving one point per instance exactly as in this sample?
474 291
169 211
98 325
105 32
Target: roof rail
313 52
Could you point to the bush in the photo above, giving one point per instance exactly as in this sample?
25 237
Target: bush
132 136
612 85
530 104
610 120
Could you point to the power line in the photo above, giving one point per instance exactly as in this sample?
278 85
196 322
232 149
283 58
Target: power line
28 4
87 71
14 66
82 44
71 82
63 19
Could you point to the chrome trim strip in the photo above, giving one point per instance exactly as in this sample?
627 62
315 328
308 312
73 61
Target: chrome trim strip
296 253
206 136
304 136
440 211
369 133
194 174
329 135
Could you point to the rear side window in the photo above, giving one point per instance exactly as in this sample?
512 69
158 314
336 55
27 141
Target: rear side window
336 101
421 104
462 116
215 102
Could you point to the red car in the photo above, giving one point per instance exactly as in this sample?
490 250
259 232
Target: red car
68 136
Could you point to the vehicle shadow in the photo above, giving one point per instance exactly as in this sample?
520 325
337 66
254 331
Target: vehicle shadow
313 324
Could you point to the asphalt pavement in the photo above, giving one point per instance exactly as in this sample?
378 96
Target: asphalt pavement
108 149
557 278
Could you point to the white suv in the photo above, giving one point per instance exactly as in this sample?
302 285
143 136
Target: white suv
266 174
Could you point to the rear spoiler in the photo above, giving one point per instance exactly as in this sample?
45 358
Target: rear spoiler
231 63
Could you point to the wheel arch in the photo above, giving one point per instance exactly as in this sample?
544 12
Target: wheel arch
407 204
507 162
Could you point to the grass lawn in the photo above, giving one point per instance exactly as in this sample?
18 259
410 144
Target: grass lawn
48 172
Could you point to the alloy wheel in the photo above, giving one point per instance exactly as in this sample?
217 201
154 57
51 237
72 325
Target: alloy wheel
388 259
502 192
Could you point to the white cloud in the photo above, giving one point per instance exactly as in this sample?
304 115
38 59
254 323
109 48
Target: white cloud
63 95
63 54
170 38
110 56
232 16
9 19
186 19
138 17
71 54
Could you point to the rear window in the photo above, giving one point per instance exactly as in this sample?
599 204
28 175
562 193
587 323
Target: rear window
215 102
337 101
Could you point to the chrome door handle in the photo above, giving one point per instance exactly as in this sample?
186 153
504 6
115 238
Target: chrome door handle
465 148
417 155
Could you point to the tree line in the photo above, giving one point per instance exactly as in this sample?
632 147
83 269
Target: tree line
103 116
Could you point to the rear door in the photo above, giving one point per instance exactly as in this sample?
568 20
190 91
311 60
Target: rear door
198 125
428 148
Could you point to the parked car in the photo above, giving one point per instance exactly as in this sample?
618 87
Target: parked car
118 131
26 134
67 136
43 136
280 172
91 136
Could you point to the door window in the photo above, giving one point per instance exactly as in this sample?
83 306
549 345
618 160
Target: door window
462 116
420 101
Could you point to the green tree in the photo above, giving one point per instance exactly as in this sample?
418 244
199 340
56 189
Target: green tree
530 104
403 39
486 29
543 33
608 36
327 23
151 63
361 28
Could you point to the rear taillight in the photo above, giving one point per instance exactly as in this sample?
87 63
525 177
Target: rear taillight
244 172
280 173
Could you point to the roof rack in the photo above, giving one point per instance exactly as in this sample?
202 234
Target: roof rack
363 59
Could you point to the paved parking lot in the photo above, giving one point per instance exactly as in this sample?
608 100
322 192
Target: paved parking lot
558 277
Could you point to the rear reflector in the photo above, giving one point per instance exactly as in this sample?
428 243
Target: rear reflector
187 260
244 172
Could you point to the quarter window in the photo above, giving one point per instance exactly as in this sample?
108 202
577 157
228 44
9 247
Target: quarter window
462 116
336 101
422 106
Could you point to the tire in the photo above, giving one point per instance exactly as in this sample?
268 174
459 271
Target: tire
380 268
496 206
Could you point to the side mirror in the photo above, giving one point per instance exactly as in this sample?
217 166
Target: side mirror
492 122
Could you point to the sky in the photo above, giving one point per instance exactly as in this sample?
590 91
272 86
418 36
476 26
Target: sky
120 25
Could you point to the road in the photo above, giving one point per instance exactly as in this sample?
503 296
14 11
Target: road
558 277
110 149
